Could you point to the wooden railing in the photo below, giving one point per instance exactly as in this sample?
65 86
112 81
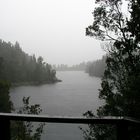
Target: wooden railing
122 123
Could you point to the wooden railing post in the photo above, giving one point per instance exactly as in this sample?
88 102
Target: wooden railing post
5 129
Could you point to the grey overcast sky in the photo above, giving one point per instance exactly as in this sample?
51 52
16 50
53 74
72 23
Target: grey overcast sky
54 29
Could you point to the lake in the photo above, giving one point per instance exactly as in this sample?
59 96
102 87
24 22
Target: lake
76 94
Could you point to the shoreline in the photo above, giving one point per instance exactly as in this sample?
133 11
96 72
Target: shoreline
33 83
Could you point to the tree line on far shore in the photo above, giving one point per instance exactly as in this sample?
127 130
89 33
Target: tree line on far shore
93 68
96 68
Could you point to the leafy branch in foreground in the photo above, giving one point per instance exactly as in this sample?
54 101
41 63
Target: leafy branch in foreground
27 130
120 88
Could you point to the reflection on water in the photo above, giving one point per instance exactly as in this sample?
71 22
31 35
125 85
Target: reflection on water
76 94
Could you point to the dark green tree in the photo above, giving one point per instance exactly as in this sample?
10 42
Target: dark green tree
5 103
18 67
96 68
120 84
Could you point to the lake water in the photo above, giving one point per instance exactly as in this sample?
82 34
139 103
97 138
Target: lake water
77 93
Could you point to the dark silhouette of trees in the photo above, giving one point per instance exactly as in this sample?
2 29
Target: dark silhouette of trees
96 68
120 88
19 129
27 130
5 103
78 67
18 67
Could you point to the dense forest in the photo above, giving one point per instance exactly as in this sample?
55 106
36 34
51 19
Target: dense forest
96 68
93 68
63 67
16 66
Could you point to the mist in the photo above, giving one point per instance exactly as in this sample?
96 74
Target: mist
52 29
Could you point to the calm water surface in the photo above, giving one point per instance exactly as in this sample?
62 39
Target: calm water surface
76 94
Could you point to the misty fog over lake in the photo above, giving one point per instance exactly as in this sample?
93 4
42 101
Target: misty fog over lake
52 29
37 35
77 93
70 69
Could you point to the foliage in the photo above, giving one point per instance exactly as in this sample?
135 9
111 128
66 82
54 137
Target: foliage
20 130
27 130
5 103
18 67
96 68
77 67
120 84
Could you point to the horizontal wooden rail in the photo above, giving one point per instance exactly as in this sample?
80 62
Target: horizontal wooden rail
67 119
60 119
121 122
